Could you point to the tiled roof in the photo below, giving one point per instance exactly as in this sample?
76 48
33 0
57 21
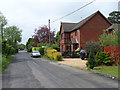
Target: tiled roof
68 27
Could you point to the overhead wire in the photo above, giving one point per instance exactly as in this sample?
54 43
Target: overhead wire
73 11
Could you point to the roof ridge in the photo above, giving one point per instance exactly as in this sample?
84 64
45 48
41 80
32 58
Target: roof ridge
87 19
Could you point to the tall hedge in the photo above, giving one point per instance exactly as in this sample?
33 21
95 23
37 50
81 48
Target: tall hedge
53 54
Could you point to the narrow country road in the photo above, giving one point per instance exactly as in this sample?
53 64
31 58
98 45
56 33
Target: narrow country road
27 72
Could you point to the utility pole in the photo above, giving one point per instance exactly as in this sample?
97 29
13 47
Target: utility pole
49 32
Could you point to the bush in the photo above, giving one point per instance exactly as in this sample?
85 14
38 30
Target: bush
35 48
41 50
57 56
103 58
43 44
53 54
50 53
92 46
56 46
91 60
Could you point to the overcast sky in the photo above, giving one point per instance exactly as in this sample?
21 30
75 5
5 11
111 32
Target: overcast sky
31 14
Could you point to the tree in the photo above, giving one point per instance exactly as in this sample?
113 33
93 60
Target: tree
13 35
29 44
114 17
92 46
3 22
110 39
91 60
42 35
21 46
58 38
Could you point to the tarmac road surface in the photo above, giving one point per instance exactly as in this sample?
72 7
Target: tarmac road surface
28 72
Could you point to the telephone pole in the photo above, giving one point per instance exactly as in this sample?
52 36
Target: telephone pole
49 32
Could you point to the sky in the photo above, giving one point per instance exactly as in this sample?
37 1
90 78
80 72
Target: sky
29 15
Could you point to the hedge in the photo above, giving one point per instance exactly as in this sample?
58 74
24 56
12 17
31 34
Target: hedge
57 56
53 54
35 48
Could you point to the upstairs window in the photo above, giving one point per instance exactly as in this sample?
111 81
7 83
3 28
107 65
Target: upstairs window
75 33
62 36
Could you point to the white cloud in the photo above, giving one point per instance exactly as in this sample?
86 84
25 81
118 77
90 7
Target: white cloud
30 14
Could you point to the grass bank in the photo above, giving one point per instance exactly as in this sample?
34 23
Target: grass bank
4 62
110 70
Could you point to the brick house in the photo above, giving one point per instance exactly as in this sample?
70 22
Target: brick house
75 35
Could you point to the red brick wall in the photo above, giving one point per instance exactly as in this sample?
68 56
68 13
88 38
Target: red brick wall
92 30
64 41
72 35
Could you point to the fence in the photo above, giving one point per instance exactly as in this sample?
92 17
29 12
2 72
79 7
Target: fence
114 51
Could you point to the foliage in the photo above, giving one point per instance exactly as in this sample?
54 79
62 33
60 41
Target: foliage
110 39
3 22
29 44
35 48
114 17
5 62
75 55
57 38
103 58
53 54
41 50
92 46
91 60
55 46
43 44
57 56
13 35
42 35
21 46
7 49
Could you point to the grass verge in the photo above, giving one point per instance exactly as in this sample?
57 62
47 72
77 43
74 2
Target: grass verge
110 70
5 62
43 56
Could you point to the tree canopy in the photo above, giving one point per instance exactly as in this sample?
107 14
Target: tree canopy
3 22
114 17
13 35
42 35
110 39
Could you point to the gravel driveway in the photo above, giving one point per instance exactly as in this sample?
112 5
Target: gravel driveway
75 62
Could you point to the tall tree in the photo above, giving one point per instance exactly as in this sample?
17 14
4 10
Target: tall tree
42 35
58 37
29 44
3 22
114 17
13 35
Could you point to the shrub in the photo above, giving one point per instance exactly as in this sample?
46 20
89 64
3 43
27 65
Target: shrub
50 53
91 60
43 44
41 50
57 56
92 46
53 54
56 46
103 58
35 48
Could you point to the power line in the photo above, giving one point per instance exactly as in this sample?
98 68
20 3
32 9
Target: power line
74 11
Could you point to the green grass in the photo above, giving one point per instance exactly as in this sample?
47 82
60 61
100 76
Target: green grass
43 56
4 62
110 70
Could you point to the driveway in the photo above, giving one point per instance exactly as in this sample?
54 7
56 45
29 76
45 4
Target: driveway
75 62
27 72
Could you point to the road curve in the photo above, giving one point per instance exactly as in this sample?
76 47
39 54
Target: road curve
27 72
